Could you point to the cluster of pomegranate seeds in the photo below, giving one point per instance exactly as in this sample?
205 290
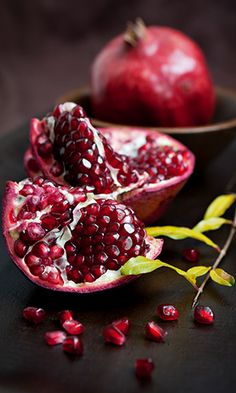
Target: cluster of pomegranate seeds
73 327
73 345
106 236
167 312
144 368
204 315
65 315
154 332
115 332
191 255
160 162
55 337
34 315
122 324
113 335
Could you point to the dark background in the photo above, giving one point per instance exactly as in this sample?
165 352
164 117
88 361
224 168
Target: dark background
46 47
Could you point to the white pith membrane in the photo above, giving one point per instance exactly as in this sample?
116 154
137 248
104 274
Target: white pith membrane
15 201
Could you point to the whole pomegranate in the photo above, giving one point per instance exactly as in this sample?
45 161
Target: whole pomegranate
152 76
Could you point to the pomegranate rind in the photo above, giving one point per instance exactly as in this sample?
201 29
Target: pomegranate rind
101 284
152 200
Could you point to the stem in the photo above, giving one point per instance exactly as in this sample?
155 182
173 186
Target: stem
217 261
134 32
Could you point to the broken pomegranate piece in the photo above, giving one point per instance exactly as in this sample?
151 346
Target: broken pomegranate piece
143 168
67 240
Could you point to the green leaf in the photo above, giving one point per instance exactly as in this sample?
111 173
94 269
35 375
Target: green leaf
219 206
211 224
141 265
221 277
197 271
178 233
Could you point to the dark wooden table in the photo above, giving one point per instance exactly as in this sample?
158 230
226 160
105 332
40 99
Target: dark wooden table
194 358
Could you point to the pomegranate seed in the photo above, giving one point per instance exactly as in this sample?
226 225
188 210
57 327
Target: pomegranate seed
55 337
56 252
154 332
191 255
73 327
122 324
65 315
144 368
34 315
20 248
113 335
204 315
167 312
73 345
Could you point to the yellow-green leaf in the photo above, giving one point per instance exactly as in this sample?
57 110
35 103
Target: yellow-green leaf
197 271
178 233
211 224
139 265
219 206
222 277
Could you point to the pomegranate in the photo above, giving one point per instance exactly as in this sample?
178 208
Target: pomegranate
152 76
55 337
143 169
167 312
191 255
34 315
73 327
154 332
73 345
67 240
204 315
122 324
113 335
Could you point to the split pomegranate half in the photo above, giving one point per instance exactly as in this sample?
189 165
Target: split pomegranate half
143 169
68 240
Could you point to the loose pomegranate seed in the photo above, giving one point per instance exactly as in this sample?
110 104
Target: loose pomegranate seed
204 315
65 315
154 332
34 315
54 338
73 327
122 324
73 345
113 335
144 368
191 255
167 312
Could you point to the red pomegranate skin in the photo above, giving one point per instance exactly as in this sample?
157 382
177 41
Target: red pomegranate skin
162 81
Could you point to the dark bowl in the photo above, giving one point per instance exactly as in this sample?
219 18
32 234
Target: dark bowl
206 141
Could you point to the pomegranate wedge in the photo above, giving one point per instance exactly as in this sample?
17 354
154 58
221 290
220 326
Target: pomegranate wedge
67 240
142 168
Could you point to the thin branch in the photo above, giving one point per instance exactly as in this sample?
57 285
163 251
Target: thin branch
217 261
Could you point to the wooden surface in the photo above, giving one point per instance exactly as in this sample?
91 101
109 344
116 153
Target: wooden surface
194 358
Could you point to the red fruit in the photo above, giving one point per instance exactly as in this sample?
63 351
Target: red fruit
191 255
167 312
90 239
152 76
73 345
144 368
73 327
34 315
54 338
204 315
65 315
122 324
113 335
144 168
154 332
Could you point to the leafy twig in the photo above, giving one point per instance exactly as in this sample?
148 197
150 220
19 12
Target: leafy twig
217 261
